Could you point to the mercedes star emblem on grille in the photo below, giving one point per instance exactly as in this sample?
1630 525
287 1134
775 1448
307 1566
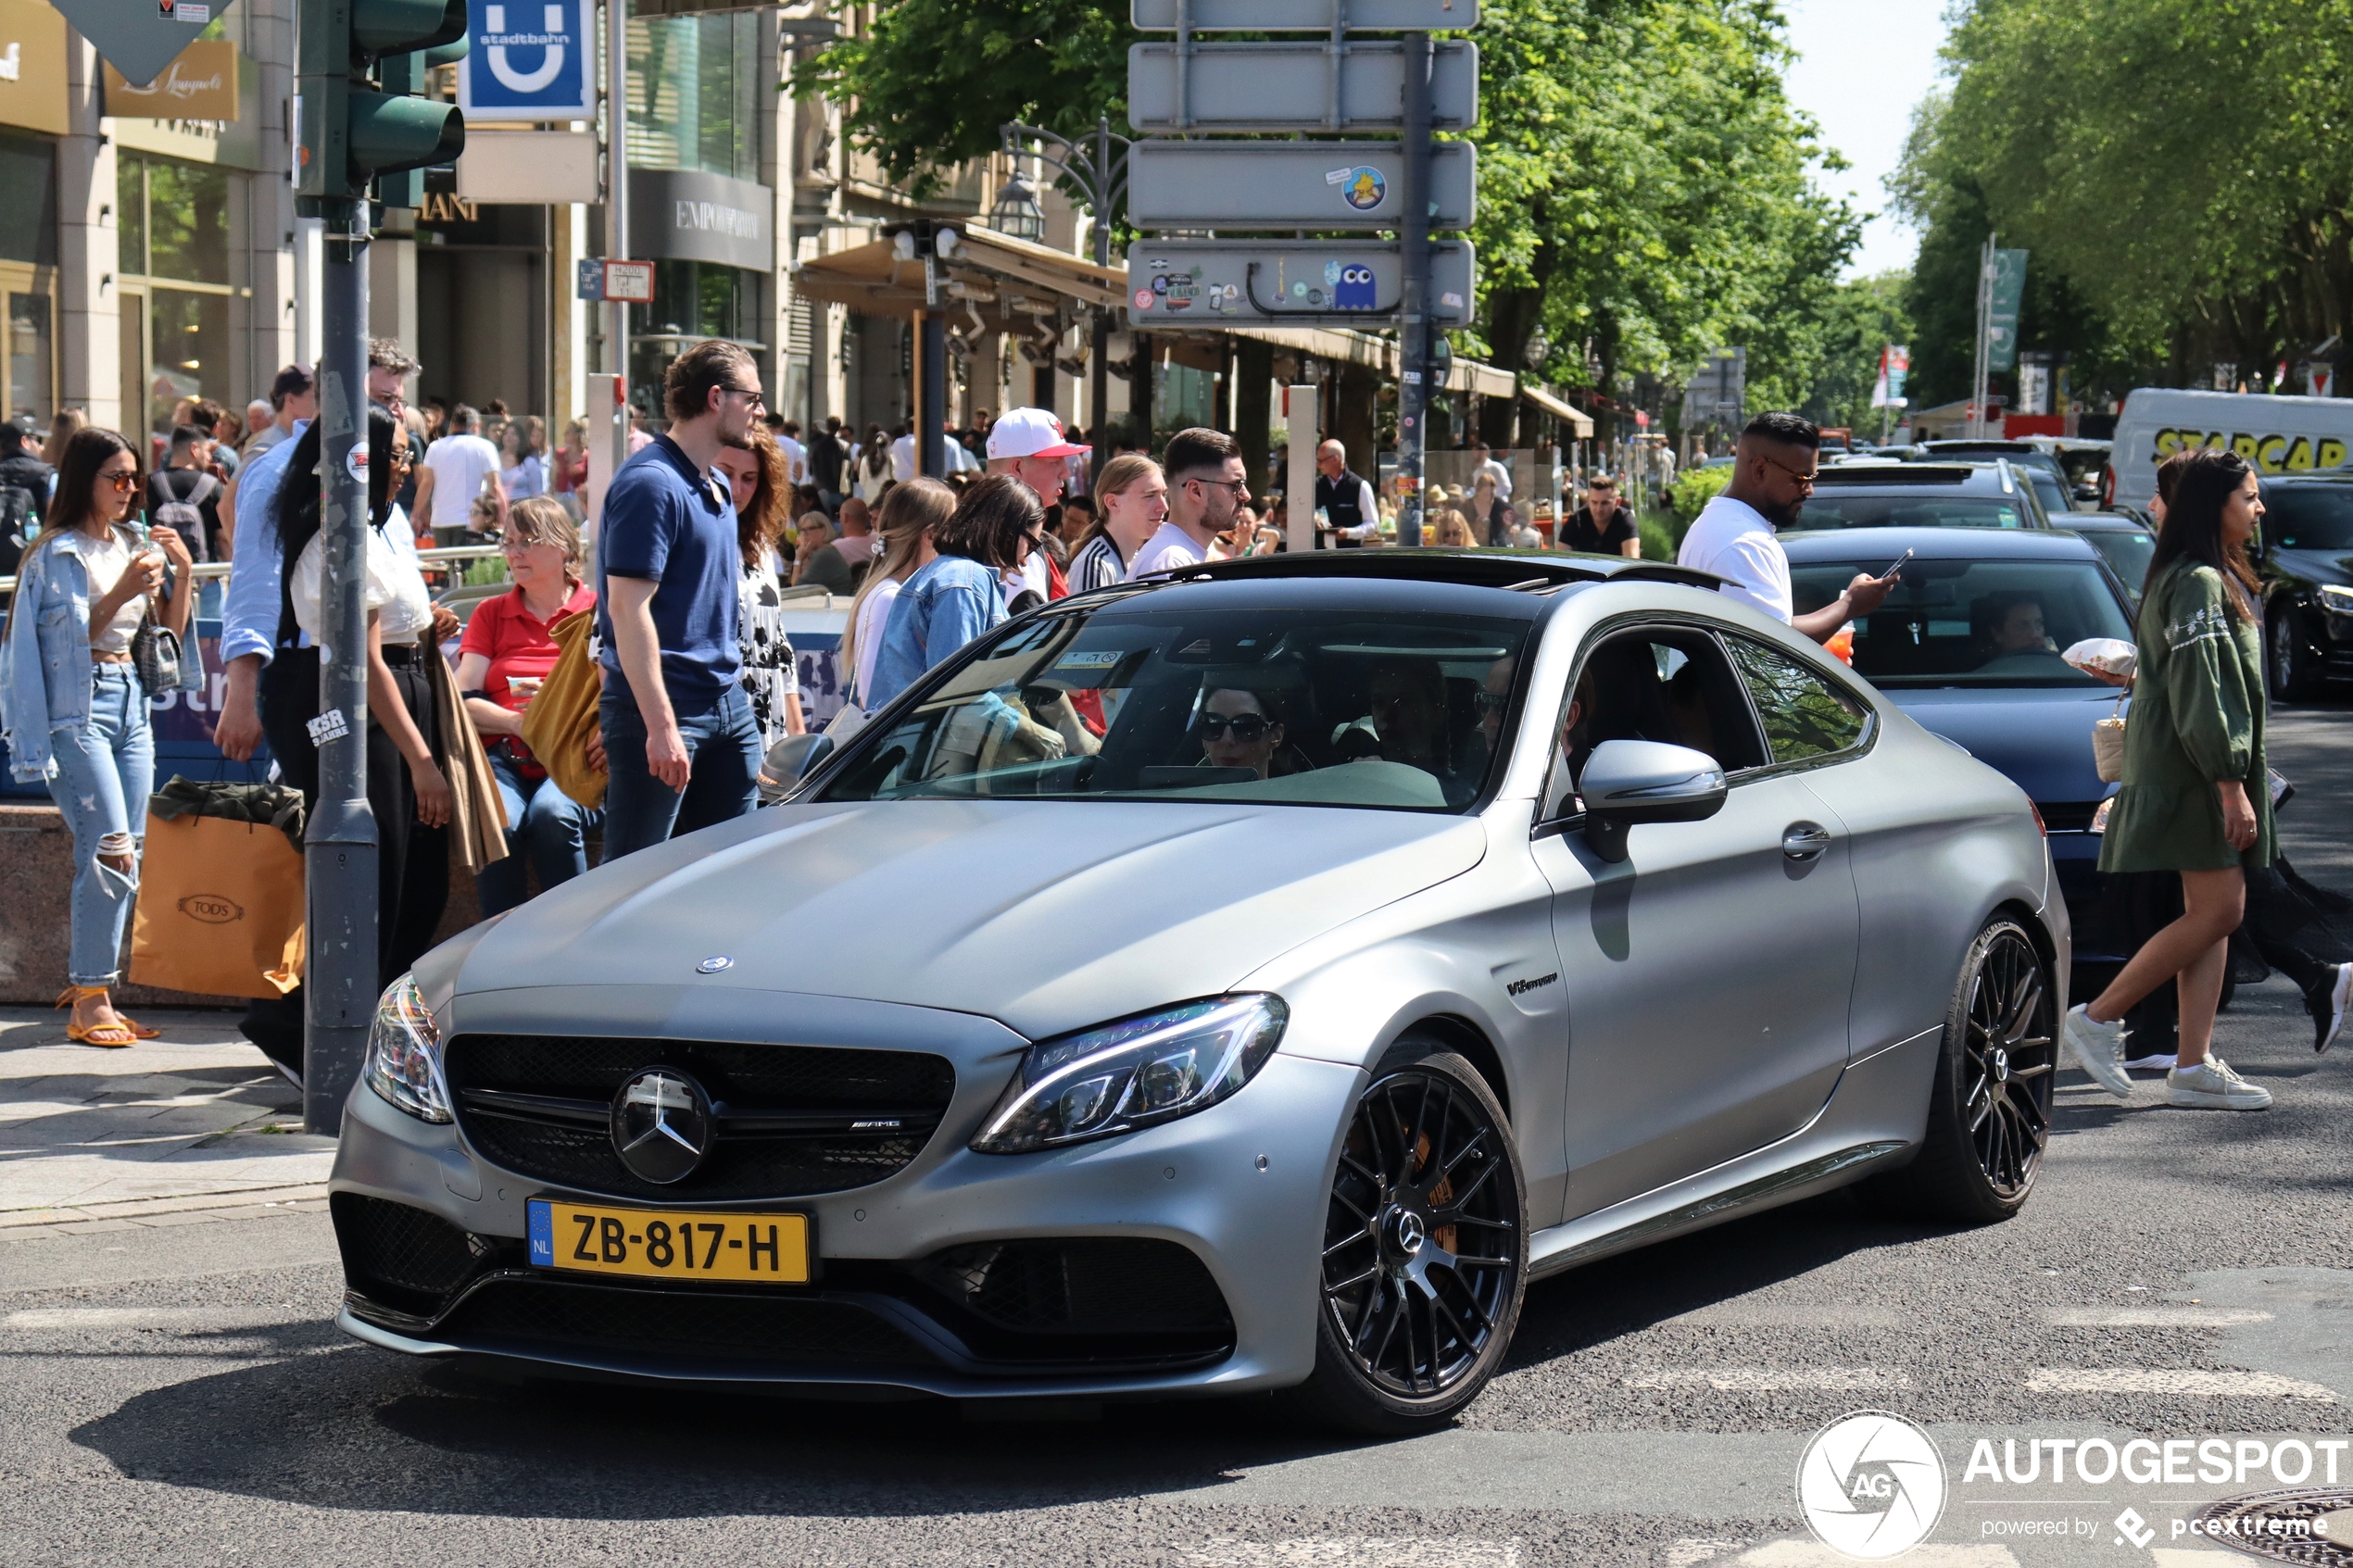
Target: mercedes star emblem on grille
662 1125
713 964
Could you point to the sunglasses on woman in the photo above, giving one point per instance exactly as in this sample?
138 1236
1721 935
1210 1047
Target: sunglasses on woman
123 483
1248 728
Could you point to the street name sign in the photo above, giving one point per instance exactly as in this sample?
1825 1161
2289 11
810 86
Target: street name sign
1286 85
1304 16
1297 283
139 39
1293 184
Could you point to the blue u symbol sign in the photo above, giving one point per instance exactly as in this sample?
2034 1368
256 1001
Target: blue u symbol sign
528 60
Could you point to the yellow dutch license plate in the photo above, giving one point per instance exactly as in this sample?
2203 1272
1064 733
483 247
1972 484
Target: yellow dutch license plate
669 1243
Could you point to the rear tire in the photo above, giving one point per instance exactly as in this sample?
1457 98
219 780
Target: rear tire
1989 1108
2292 676
1425 1259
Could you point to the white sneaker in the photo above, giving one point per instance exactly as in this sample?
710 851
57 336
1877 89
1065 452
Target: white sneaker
2151 1063
2212 1086
2098 1049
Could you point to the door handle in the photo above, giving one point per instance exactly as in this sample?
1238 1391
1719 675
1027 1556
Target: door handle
1805 841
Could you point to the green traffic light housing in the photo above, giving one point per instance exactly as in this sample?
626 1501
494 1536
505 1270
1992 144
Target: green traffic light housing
362 71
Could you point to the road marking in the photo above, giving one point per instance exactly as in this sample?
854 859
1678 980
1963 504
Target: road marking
1765 1379
1791 1315
2161 1315
1396 1551
2195 1384
1797 1552
57 1318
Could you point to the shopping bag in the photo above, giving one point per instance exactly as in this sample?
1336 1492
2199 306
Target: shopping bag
220 900
562 717
478 814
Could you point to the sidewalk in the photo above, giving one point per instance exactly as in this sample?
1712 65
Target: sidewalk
197 1119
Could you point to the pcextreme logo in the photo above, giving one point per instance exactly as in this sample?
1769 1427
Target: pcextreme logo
1871 1485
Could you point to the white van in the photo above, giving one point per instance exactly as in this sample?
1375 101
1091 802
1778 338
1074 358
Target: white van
2276 434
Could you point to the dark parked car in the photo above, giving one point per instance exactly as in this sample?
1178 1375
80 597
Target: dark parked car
2128 540
1884 494
1969 645
2307 561
2038 467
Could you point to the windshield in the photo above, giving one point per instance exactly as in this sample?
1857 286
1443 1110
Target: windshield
1861 508
2129 550
1972 622
1329 707
2309 516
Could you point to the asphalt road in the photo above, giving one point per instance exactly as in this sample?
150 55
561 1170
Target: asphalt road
176 1395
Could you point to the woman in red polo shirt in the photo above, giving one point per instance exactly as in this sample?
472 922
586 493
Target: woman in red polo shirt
506 655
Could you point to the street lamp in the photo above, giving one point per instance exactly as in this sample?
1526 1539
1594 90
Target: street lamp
1096 168
1016 212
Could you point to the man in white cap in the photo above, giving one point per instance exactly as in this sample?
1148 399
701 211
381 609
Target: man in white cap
1029 444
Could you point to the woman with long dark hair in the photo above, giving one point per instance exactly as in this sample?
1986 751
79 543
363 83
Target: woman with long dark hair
761 489
73 707
407 787
960 595
2195 799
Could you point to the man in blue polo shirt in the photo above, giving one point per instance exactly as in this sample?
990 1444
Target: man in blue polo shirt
678 730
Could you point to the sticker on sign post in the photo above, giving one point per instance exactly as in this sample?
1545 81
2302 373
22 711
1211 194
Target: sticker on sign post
591 280
629 283
356 462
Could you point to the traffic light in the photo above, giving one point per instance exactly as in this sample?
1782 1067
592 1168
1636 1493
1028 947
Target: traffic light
406 73
361 65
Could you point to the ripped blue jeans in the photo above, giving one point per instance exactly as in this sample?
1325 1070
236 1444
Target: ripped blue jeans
106 771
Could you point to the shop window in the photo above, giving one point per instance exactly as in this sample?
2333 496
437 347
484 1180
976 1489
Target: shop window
173 239
28 196
31 360
694 93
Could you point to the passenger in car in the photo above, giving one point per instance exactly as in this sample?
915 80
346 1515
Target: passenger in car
2010 623
1243 727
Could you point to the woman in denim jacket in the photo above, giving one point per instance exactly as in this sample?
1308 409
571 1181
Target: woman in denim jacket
71 708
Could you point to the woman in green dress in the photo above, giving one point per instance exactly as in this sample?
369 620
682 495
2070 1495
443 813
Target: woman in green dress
2194 800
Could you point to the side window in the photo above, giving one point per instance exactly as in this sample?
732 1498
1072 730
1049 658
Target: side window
1804 716
1668 683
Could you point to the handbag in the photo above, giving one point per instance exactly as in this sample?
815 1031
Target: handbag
478 814
562 716
2107 744
155 653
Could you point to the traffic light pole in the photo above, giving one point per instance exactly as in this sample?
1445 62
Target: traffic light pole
340 845
617 207
1413 381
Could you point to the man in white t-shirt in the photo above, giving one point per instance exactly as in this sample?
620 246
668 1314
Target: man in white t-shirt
1733 537
903 457
1501 472
1208 482
796 454
454 471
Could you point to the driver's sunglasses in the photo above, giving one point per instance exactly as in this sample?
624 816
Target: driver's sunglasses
1804 480
1248 728
123 483
1490 702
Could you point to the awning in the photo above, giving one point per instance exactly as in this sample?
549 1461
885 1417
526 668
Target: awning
1008 283
1580 424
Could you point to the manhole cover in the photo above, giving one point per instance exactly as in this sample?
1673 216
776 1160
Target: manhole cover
2312 1529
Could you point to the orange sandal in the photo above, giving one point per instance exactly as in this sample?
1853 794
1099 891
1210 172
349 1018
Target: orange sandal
113 1037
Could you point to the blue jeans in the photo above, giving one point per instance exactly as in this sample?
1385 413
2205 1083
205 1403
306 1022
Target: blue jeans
723 745
106 771
544 829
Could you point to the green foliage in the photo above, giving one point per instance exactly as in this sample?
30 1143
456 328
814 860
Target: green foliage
1659 541
1860 319
2186 189
1693 489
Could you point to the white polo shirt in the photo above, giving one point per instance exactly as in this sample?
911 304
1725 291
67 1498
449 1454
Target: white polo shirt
1732 539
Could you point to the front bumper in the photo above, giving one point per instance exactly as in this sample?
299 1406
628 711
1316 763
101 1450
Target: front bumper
1239 1188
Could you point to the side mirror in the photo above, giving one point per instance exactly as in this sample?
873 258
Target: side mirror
1627 782
788 761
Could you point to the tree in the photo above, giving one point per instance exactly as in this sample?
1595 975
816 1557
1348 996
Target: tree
1863 317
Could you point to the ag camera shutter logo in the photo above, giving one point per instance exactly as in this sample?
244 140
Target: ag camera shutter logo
529 60
1872 1486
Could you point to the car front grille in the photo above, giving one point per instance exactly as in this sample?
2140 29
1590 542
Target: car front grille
782 1331
408 1259
792 1120
1083 1286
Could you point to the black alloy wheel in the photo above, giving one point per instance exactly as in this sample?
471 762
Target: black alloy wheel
2292 678
1425 1257
1989 1113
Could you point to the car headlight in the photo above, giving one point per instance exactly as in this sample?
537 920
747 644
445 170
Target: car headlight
1136 1072
2336 600
404 1053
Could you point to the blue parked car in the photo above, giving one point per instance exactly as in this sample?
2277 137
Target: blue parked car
1969 643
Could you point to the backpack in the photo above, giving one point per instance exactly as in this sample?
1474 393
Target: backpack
185 516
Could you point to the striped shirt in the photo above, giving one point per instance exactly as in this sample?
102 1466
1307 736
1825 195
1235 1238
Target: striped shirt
1097 565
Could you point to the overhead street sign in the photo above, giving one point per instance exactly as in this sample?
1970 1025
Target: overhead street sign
140 39
1298 282
1304 16
1286 85
1291 184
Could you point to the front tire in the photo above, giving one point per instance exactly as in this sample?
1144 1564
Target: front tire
2292 677
1989 1110
1425 1259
